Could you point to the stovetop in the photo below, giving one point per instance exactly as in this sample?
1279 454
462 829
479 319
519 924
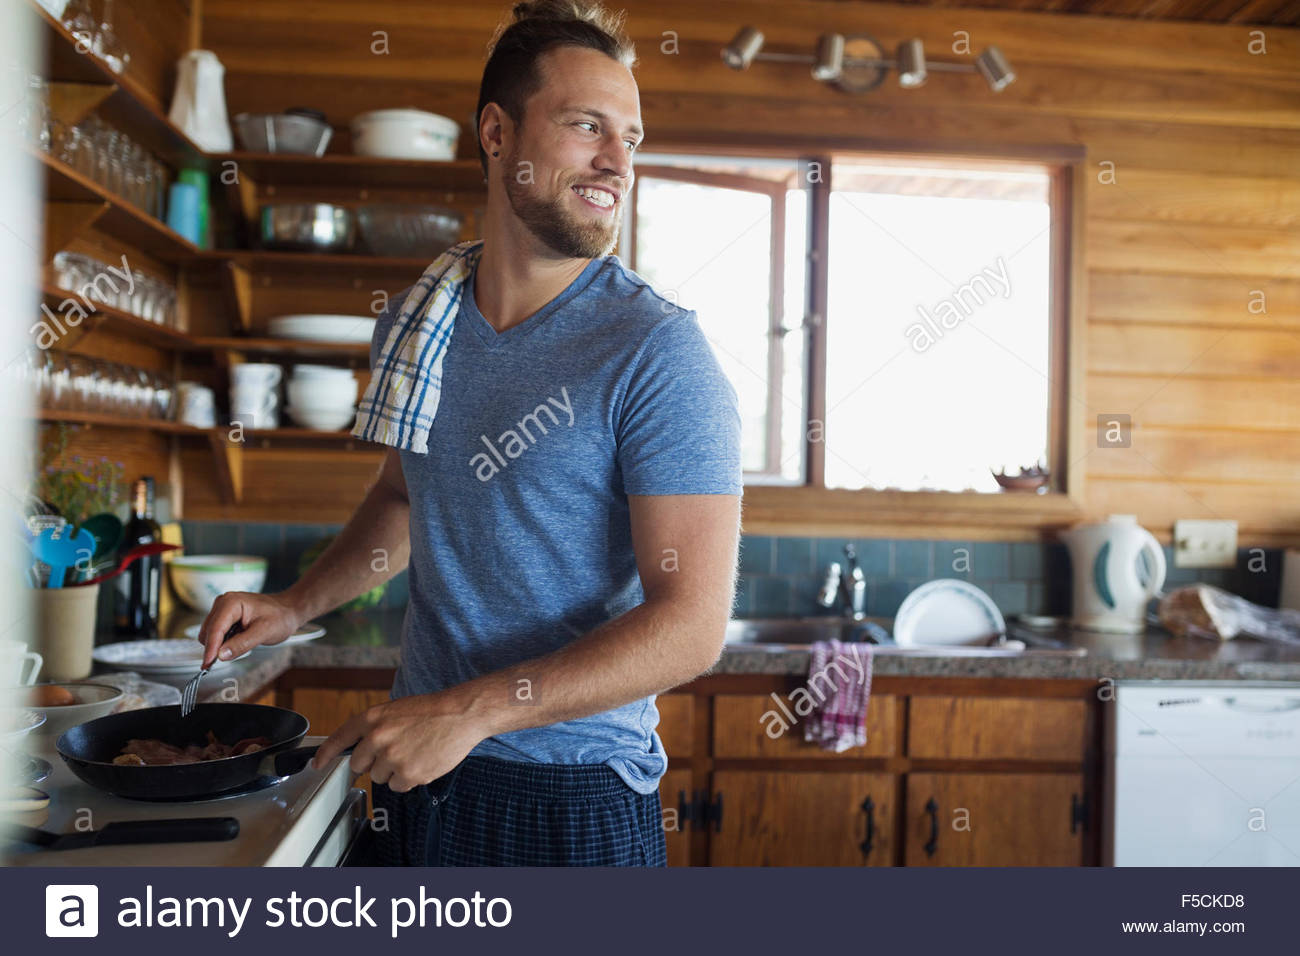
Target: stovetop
280 821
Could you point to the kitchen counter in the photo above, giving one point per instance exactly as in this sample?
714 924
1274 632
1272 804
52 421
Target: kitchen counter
371 639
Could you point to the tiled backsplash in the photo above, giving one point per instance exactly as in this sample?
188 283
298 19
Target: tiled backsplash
781 576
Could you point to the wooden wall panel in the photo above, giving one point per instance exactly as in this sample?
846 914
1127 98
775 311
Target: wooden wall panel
1204 138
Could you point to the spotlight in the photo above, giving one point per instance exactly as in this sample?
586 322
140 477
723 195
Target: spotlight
995 69
740 52
911 64
829 61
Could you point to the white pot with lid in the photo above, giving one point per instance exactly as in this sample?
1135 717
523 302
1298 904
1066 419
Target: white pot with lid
405 134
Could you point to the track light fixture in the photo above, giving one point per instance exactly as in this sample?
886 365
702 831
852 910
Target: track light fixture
856 63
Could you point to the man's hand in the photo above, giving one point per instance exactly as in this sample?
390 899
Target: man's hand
406 742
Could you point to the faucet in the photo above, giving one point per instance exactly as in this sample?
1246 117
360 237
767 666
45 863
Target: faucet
846 586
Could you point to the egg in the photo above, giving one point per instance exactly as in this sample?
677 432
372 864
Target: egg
52 695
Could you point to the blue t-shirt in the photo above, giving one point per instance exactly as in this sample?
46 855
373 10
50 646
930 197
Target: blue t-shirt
520 533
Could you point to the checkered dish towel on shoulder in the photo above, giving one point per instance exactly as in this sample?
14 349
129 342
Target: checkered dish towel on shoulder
401 400
840 678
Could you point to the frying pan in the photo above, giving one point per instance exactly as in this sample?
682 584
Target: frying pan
88 749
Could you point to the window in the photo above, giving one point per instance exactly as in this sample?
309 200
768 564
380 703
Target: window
939 339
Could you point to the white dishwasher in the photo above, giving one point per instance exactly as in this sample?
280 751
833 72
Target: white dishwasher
1203 774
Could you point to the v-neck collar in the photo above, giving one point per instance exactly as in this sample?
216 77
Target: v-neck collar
494 339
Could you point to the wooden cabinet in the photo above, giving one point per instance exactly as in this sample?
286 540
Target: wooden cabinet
994 819
991 728
675 795
815 818
753 725
677 724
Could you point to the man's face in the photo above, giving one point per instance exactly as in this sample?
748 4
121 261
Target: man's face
578 136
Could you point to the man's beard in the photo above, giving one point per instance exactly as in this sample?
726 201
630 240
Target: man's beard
559 227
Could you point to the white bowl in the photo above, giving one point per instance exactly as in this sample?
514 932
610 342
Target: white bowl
93 700
324 420
323 394
321 372
405 134
199 579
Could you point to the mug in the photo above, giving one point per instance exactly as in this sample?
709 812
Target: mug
14 657
256 374
253 409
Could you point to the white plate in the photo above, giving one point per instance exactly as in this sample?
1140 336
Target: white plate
308 632
946 612
157 657
324 328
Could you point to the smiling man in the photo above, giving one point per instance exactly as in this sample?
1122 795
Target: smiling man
571 527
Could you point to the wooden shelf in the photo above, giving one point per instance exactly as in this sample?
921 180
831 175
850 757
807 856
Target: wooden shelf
267 260
115 215
115 320
361 172
127 106
117 421
287 347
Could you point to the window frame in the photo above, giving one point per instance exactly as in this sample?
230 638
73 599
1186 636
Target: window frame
813 509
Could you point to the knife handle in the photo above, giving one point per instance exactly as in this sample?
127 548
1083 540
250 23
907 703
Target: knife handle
180 830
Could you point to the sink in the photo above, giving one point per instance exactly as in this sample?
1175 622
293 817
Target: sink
780 632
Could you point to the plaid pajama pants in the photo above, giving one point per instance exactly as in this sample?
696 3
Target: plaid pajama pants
491 812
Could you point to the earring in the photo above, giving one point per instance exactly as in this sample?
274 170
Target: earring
496 154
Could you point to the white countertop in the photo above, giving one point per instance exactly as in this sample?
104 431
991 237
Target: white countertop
278 826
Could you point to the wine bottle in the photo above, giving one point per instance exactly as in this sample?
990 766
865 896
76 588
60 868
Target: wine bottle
140 583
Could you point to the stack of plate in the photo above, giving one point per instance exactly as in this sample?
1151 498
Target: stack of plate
323 328
322 397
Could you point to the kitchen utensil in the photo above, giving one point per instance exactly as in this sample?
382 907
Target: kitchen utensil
140 551
64 631
305 632
359 329
405 134
190 693
393 229
256 375
14 658
299 131
196 405
132 832
61 550
23 799
107 529
93 700
88 749
162 657
199 579
947 611
1108 593
315 227
199 103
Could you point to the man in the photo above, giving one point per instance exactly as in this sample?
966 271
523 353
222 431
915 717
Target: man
572 527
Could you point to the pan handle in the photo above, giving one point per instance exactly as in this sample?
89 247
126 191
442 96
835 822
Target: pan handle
291 761
180 830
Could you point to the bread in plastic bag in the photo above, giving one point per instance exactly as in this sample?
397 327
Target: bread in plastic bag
1202 610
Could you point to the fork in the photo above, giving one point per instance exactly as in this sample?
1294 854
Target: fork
190 695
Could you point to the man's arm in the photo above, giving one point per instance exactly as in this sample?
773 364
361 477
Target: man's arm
686 548
351 565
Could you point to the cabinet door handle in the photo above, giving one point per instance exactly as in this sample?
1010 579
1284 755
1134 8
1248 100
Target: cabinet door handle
685 811
866 845
1078 813
932 845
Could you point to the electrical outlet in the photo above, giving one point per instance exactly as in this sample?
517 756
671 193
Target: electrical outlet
1205 544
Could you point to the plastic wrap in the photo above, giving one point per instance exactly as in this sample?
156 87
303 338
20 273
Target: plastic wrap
1202 610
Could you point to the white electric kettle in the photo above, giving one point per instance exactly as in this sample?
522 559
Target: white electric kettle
1108 594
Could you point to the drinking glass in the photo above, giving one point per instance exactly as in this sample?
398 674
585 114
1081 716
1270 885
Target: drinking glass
108 45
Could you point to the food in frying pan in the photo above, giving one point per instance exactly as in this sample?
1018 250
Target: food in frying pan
156 753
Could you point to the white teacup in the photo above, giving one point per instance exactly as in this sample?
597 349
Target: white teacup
256 375
14 659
